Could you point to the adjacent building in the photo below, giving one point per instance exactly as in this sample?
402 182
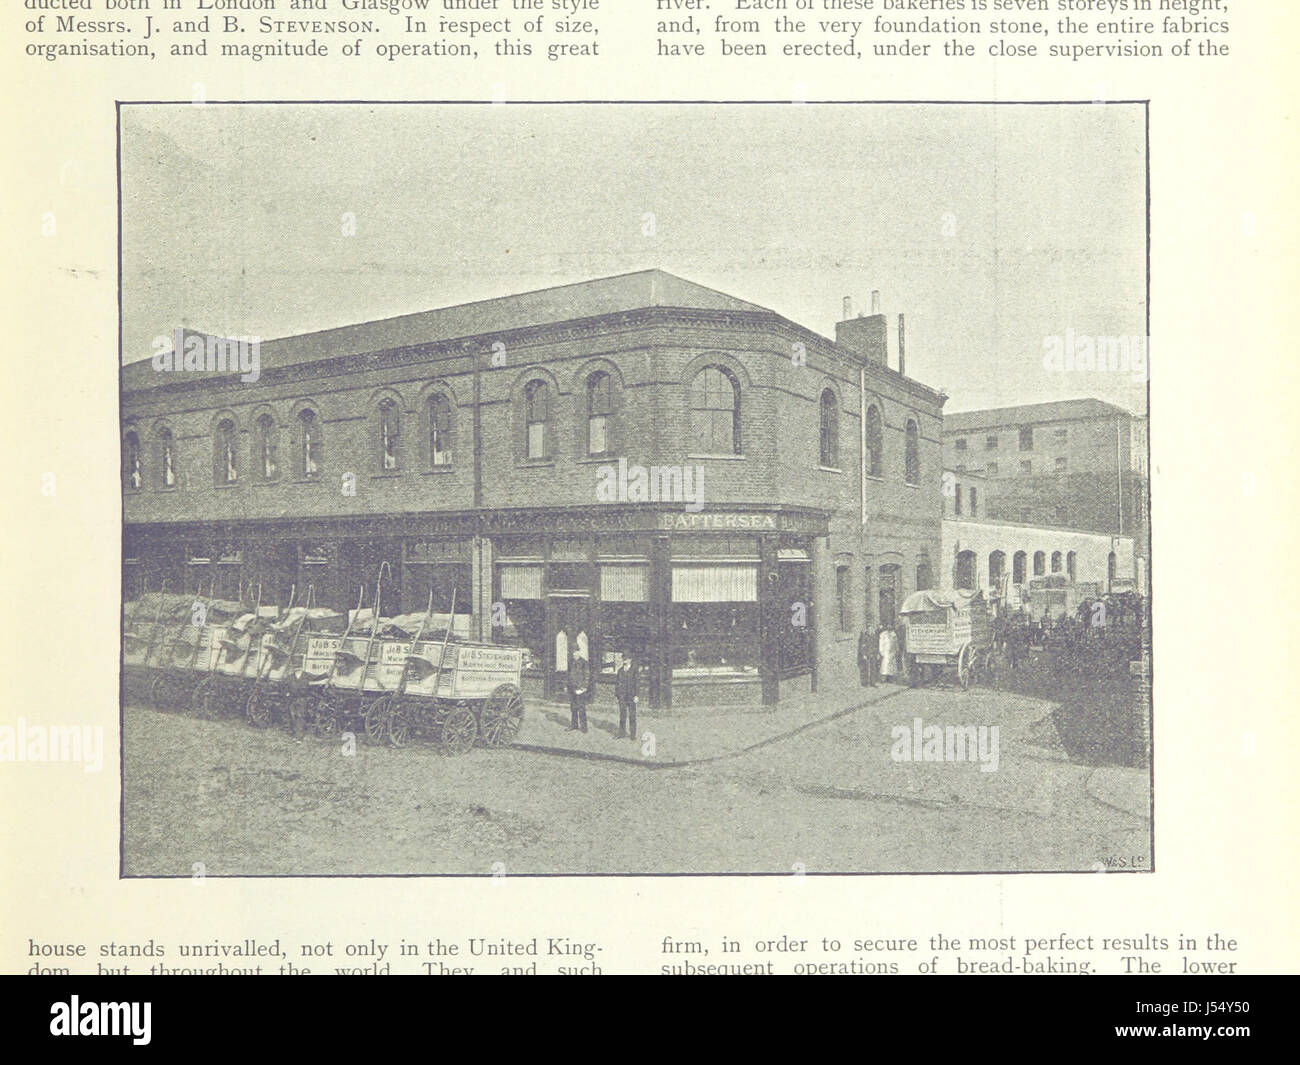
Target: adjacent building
1077 465
631 465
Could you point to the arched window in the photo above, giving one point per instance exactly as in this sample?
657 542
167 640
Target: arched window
265 443
225 464
715 412
912 453
1056 562
310 445
390 430
1071 562
875 441
1018 567
830 436
439 413
537 410
1040 563
600 413
132 465
167 475
997 567
924 578
965 575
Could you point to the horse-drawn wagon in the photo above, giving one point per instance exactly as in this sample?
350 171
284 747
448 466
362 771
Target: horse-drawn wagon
946 631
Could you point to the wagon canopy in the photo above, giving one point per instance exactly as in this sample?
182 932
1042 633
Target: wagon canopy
933 599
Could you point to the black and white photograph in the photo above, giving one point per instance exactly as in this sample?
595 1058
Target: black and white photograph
634 489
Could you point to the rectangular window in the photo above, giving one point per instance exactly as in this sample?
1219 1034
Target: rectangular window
957 501
993 469
961 444
1027 438
1060 464
1026 467
521 582
624 583
974 503
729 583
842 597
1062 436
990 443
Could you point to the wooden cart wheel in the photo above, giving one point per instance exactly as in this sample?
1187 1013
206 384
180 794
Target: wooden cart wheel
397 720
965 665
458 731
376 720
258 708
501 715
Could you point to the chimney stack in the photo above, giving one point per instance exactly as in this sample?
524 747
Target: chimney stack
864 335
902 348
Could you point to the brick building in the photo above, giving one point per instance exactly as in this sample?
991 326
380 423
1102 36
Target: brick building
634 464
984 553
1071 465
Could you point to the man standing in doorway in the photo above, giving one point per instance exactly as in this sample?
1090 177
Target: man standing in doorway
868 659
579 689
625 690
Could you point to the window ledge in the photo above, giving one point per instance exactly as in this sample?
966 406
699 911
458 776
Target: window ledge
595 460
303 480
386 473
829 469
433 471
719 458
226 486
536 462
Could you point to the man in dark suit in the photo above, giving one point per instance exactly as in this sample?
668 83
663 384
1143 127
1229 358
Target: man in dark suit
625 690
868 658
579 690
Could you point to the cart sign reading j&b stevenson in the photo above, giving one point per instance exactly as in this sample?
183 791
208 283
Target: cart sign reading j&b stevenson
470 671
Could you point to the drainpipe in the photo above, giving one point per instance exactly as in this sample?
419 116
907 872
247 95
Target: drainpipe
862 441
1119 471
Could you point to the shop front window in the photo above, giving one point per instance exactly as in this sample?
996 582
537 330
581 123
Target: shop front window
713 619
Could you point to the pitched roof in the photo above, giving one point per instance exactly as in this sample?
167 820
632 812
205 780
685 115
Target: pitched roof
1057 411
562 303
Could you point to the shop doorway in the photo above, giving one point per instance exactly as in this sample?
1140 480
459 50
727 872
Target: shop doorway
888 597
359 568
568 634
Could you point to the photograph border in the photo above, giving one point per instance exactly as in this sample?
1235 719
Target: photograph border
1145 103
